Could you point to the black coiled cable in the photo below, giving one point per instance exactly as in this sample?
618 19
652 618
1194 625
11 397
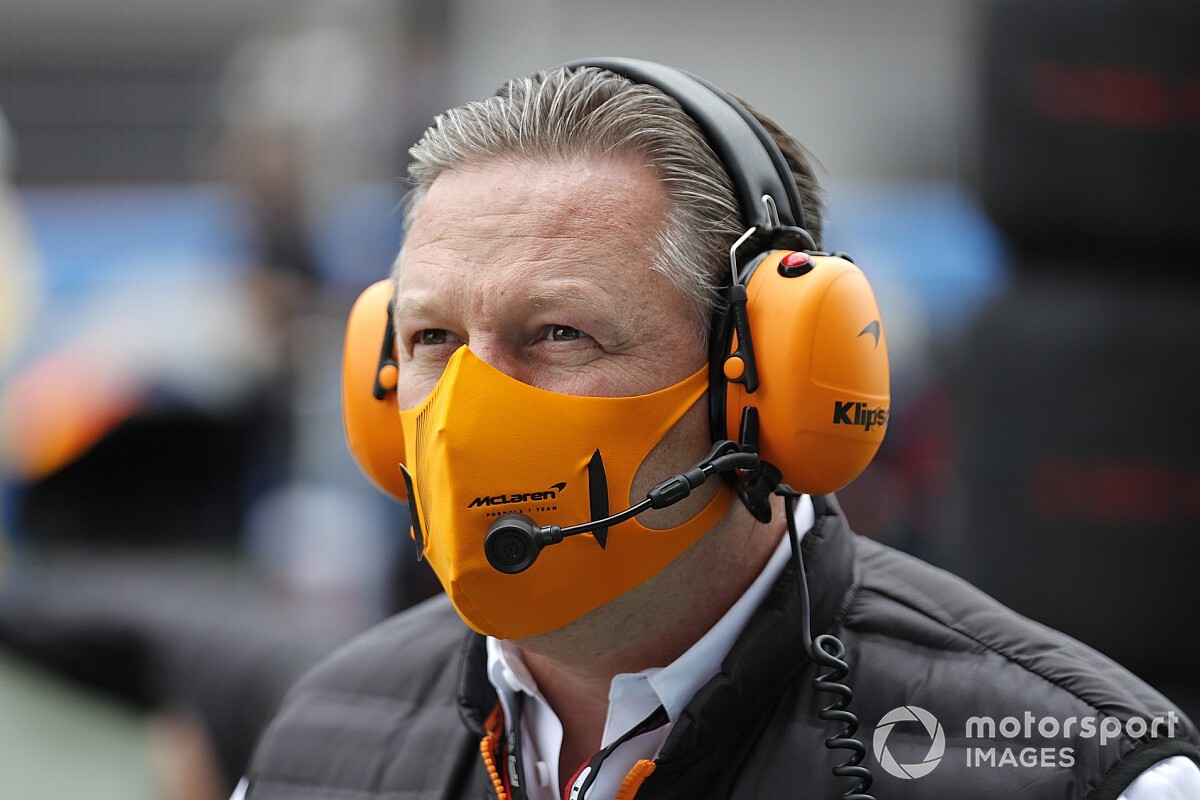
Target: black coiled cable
828 652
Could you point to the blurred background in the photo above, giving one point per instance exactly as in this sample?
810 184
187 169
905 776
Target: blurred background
193 195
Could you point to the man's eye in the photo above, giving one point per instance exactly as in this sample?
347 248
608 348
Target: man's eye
564 333
433 336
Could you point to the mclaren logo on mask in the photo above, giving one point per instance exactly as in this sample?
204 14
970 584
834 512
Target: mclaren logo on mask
518 497
851 413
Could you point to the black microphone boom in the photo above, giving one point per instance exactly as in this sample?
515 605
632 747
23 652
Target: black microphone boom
514 541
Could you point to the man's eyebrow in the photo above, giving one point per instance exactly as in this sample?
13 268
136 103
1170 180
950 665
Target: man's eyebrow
403 306
560 294
584 295
568 293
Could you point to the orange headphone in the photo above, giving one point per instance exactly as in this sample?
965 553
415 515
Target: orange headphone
798 356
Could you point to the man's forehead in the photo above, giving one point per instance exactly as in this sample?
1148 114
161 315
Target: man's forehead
550 217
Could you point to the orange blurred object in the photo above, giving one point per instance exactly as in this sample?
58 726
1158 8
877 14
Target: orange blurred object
55 410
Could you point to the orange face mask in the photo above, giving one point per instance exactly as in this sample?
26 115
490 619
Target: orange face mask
484 445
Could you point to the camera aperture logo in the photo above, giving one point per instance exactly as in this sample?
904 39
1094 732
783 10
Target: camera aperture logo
937 746
1026 741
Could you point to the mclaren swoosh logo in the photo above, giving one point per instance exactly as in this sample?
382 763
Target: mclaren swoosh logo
873 329
518 497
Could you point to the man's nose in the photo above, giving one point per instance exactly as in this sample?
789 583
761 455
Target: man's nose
501 355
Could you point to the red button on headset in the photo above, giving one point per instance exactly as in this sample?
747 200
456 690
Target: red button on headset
795 264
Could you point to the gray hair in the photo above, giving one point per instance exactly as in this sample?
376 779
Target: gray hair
590 112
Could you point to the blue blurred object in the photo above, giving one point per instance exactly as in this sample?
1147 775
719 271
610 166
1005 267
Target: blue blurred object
91 237
359 236
930 237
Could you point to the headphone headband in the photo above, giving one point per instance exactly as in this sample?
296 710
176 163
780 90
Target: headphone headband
755 164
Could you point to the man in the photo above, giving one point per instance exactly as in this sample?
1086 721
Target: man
566 243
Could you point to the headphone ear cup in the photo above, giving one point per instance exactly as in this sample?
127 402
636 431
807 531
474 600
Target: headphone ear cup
373 428
823 397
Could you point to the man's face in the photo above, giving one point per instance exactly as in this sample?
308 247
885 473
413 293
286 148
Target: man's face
544 270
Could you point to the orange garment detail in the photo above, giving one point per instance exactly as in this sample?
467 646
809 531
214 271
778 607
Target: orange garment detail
487 748
633 781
